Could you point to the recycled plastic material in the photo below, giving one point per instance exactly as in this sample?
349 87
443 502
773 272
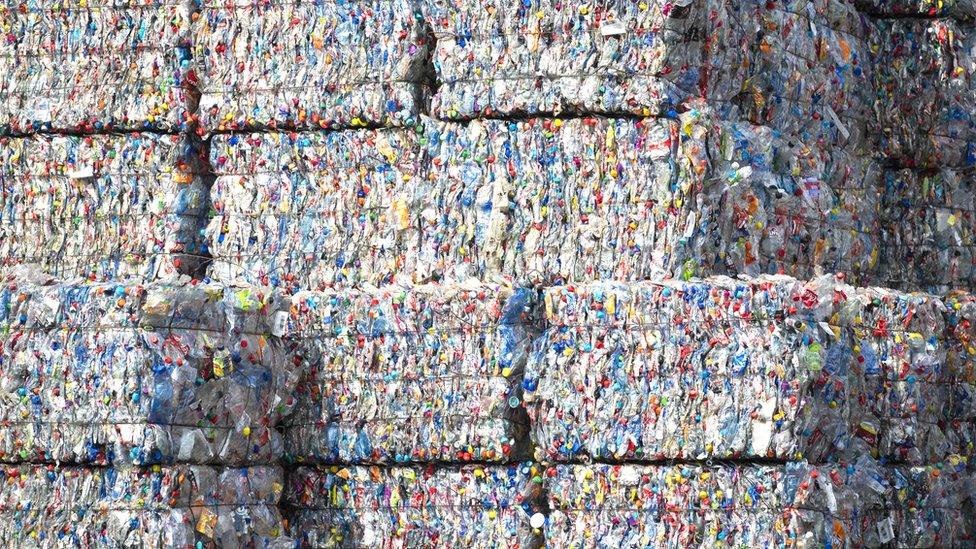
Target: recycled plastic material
142 374
106 206
801 67
859 504
761 368
550 199
929 220
469 506
310 65
95 66
314 209
541 201
174 506
961 366
547 201
411 374
960 9
925 92
772 204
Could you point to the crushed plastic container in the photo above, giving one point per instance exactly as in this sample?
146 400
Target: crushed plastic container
741 369
142 374
411 374
95 66
925 91
436 507
311 210
858 504
104 206
801 67
310 65
173 506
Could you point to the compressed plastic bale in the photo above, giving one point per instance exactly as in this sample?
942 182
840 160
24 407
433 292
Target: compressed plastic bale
925 92
960 9
866 504
898 342
471 506
93 67
631 506
142 374
411 374
546 201
928 229
314 210
310 65
538 201
802 68
961 366
933 505
861 504
774 205
180 506
798 66
539 57
106 206
762 368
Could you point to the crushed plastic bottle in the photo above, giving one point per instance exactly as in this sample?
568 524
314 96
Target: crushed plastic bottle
745 369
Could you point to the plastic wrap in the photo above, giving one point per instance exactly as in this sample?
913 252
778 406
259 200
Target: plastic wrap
925 92
95 66
174 506
315 209
106 206
928 221
104 373
765 368
421 373
470 506
801 67
310 65
858 504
